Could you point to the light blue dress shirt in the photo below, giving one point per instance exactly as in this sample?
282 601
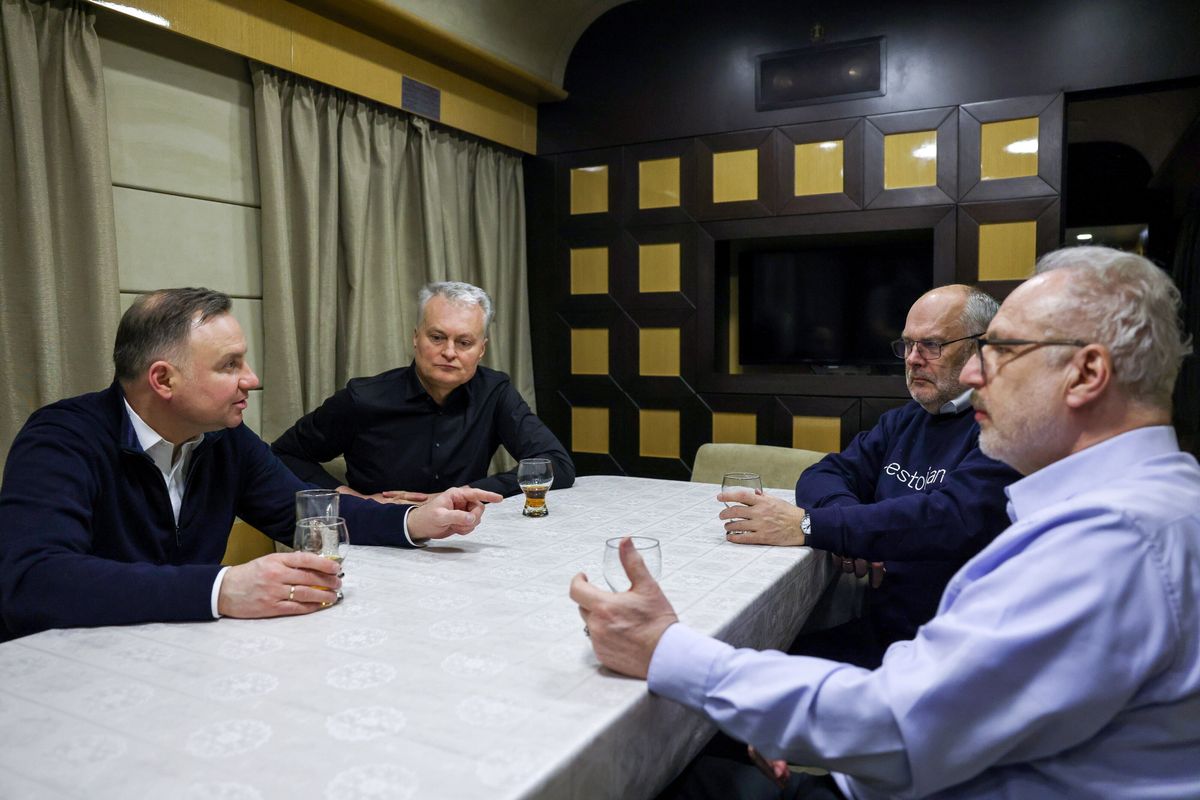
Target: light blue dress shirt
1064 659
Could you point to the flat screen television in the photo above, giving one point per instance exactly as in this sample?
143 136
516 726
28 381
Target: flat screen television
837 302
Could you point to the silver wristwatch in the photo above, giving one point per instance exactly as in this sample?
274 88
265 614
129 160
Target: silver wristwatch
806 525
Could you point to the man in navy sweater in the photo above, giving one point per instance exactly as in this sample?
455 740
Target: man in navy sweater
913 498
117 505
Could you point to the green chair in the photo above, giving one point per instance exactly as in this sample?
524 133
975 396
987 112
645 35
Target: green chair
780 467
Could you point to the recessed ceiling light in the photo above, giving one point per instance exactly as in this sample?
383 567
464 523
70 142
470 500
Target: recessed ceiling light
1083 237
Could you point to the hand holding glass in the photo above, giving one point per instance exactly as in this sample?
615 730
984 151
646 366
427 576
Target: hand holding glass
741 480
614 570
327 537
323 536
535 476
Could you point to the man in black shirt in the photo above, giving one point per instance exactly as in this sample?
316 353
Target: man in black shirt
413 431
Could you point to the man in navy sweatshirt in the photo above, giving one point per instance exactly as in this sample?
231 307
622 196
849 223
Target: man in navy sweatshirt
117 505
914 496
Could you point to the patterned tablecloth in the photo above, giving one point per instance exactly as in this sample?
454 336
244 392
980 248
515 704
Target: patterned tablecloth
456 671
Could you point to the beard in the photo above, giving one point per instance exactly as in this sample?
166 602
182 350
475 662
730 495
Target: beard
1019 440
943 385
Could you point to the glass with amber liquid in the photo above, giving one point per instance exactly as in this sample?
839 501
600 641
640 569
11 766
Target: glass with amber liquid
535 476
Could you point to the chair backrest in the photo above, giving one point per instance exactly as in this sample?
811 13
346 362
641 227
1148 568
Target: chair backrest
246 543
780 467
336 468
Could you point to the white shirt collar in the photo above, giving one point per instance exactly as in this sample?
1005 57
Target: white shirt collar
154 445
957 404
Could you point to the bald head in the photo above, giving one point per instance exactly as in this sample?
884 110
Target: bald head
943 315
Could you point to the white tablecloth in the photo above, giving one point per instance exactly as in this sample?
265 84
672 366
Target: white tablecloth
456 671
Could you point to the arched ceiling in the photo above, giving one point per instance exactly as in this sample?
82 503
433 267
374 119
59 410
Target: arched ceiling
535 35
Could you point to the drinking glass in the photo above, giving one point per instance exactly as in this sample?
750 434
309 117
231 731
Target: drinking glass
534 476
614 571
323 536
741 480
316 503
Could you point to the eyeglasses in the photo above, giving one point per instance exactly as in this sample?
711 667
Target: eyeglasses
928 350
998 346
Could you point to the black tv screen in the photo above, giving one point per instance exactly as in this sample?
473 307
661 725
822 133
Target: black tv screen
835 304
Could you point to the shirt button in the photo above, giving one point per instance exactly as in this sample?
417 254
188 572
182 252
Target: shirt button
437 444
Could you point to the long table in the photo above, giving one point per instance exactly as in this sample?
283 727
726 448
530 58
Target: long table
456 671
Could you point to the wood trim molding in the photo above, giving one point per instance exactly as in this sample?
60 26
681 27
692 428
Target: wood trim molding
945 122
1048 110
390 23
850 132
291 37
1044 211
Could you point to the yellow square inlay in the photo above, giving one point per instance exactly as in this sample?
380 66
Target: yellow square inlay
910 159
1008 149
823 434
733 426
658 183
589 429
589 270
658 351
735 176
589 351
1007 251
589 190
658 267
819 168
658 433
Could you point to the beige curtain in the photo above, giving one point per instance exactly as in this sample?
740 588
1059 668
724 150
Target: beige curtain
361 206
59 301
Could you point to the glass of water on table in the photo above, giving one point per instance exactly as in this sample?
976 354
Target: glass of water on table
319 530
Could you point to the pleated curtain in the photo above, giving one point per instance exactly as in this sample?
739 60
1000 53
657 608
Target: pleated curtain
59 302
361 206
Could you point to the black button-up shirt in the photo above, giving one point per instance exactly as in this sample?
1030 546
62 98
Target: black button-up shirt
394 436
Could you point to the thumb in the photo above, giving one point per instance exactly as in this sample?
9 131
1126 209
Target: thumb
634 564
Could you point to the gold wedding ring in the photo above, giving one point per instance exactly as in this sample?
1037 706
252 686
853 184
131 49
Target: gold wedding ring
292 594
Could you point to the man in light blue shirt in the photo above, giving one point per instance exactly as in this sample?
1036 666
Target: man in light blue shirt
1064 659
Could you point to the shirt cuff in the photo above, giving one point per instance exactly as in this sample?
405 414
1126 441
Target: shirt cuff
216 591
683 663
408 511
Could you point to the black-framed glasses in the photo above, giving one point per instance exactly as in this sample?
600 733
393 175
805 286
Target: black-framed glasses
997 343
928 349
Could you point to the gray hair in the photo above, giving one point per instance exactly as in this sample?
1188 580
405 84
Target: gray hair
157 326
458 292
978 310
1126 303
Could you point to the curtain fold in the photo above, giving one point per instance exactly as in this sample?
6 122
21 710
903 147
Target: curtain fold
361 206
59 300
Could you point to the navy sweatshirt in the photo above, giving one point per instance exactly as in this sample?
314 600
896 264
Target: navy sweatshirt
916 493
87 535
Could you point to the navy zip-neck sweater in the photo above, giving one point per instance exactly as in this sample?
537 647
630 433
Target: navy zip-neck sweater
88 536
916 493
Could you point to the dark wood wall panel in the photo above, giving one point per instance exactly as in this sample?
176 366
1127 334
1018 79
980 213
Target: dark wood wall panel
688 314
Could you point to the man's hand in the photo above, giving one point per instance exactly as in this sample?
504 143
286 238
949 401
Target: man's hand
761 519
279 584
625 626
777 770
399 496
860 567
390 496
455 511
